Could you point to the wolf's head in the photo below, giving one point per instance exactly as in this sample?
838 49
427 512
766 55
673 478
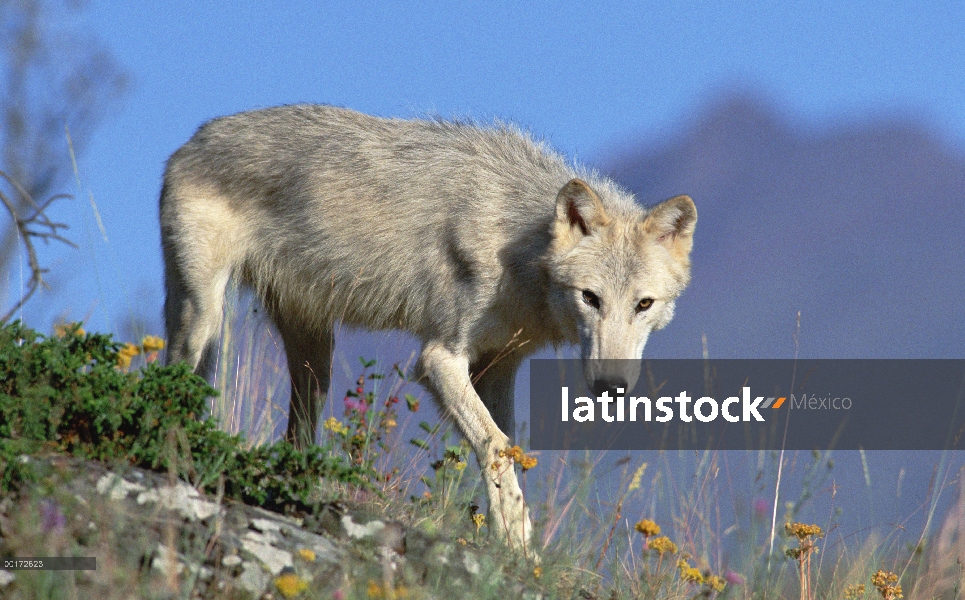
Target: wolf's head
616 276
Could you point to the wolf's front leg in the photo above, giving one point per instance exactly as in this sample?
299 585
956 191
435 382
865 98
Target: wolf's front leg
447 375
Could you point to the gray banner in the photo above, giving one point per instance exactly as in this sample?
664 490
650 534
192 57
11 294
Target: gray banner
825 404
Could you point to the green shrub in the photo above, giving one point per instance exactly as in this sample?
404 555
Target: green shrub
69 394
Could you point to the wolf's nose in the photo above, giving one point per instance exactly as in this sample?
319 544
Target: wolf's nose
610 384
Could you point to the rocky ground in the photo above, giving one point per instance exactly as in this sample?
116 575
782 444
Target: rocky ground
154 537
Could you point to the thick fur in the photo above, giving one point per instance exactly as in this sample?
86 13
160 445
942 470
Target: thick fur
480 241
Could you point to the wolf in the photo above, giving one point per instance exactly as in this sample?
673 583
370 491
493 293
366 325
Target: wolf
479 240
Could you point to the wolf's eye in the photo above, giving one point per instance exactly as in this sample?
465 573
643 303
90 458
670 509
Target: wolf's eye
591 299
644 304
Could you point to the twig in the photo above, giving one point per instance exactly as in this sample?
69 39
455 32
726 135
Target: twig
609 537
36 226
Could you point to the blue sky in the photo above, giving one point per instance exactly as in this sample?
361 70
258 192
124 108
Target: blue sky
589 77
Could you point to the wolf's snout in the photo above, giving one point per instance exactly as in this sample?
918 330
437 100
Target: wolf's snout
610 384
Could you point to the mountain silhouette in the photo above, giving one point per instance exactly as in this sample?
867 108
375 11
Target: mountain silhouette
860 227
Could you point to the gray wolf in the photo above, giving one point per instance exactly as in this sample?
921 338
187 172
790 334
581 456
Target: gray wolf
479 240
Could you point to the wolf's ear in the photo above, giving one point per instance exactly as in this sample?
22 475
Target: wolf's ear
577 206
672 222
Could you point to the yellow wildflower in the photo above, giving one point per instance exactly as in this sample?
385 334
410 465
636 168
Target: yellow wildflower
335 426
479 520
62 329
882 578
125 354
516 453
887 584
152 343
647 528
307 555
374 590
854 591
460 465
389 423
802 531
688 573
537 572
716 583
663 545
290 584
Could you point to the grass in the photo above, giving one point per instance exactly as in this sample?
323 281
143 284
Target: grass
604 528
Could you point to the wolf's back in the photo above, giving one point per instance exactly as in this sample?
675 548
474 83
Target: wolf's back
382 223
